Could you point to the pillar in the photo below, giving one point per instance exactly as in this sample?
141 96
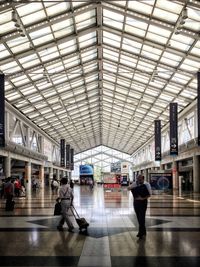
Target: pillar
175 174
196 172
50 173
57 174
41 175
28 175
7 166
146 175
162 166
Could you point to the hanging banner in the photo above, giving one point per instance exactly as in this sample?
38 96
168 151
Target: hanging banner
157 139
2 111
67 156
72 159
173 120
62 152
198 108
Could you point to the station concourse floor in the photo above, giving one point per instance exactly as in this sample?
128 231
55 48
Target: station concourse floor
28 235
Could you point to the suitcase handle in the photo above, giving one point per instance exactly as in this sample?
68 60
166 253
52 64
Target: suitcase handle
74 212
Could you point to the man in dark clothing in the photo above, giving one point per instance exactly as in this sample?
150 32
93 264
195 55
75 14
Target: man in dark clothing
141 192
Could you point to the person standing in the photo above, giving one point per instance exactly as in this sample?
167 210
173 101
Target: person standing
8 194
66 197
141 191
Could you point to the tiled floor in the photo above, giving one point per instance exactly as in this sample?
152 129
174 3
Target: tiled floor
28 235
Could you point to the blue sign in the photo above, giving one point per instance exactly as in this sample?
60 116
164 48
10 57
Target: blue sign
86 170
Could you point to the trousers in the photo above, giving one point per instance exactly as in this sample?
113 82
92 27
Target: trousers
65 206
140 207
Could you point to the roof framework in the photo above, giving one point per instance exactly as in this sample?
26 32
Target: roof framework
100 72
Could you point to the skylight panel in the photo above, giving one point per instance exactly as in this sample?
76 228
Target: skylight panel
131 46
3 51
196 49
193 20
89 55
136 31
86 23
7 27
87 43
173 7
56 9
166 97
195 65
35 98
33 17
109 67
152 92
67 47
165 59
157 38
10 67
49 53
182 79
89 79
29 61
27 110
113 19
29 8
172 89
181 42
188 94
73 61
111 39
165 15
144 7
110 56
41 36
43 85
128 60
13 96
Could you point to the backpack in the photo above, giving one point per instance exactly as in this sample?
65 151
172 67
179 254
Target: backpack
140 190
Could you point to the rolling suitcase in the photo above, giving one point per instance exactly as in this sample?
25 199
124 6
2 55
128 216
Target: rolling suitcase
82 223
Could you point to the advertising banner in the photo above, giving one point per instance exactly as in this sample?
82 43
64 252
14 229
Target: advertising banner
62 152
198 108
71 158
116 167
173 120
2 112
124 167
68 156
157 139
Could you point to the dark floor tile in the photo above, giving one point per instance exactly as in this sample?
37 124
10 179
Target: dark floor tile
155 261
39 261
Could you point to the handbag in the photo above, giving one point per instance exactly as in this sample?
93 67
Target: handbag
57 208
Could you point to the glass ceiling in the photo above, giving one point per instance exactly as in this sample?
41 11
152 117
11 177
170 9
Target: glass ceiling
99 72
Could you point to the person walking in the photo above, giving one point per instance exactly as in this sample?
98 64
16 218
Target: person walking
66 197
8 194
141 191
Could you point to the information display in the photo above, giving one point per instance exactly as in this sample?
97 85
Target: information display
161 181
87 169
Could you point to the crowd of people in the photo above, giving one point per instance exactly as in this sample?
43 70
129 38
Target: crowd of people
14 187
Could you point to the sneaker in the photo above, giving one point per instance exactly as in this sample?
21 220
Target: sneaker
60 228
71 229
